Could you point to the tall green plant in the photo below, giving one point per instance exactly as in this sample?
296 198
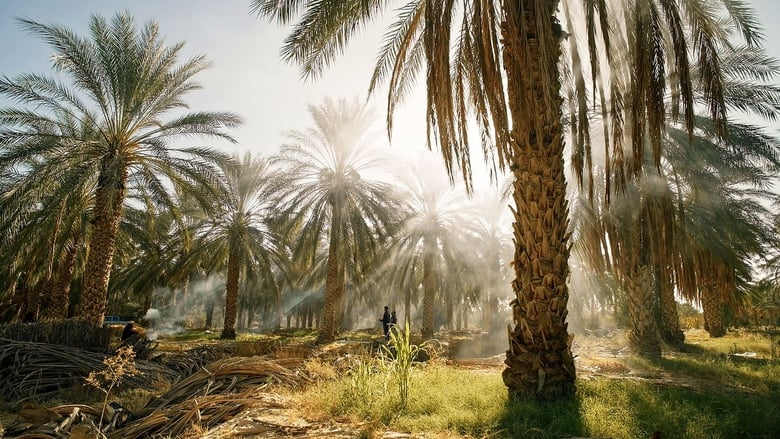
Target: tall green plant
401 353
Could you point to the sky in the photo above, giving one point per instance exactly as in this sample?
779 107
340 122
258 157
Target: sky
248 76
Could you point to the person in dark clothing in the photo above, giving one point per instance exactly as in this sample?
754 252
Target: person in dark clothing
393 319
386 323
129 331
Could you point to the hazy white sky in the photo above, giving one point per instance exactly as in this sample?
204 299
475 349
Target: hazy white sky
248 76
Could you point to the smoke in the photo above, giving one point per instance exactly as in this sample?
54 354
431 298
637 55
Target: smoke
183 308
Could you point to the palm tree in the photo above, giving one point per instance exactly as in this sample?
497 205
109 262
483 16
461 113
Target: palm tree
329 200
238 236
44 221
431 241
505 66
145 259
697 230
678 213
123 82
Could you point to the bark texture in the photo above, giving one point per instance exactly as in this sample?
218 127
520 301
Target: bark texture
713 310
334 282
105 224
670 320
641 298
231 297
539 359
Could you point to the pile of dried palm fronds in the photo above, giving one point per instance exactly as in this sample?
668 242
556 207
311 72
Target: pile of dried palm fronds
192 415
231 375
40 369
188 362
210 396
213 395
70 332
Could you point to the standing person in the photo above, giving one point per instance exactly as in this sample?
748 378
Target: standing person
386 323
393 319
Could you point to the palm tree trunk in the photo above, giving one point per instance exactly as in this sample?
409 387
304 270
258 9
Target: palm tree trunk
712 308
334 288
109 197
641 297
210 302
231 298
407 306
60 296
450 312
539 360
429 291
670 321
185 295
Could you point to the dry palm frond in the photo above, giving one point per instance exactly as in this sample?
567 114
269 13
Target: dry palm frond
192 414
190 361
38 369
231 375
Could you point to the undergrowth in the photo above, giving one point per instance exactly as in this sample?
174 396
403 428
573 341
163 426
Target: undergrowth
705 393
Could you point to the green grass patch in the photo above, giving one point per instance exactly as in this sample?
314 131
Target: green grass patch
191 335
707 394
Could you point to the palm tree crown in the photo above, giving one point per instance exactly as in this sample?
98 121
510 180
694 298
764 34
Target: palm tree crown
330 199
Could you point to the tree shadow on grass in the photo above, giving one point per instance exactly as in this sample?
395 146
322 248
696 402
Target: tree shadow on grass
532 419
723 372
628 409
708 397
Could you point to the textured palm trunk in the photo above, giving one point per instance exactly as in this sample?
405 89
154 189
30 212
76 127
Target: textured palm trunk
340 314
109 197
670 320
407 306
713 311
539 360
209 313
429 291
334 287
450 312
57 308
185 297
231 297
641 297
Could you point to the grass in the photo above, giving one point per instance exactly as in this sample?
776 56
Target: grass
707 392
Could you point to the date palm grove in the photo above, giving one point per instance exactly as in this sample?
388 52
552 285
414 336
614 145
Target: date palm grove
509 65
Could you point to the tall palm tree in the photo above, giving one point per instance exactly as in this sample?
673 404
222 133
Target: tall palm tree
238 236
124 81
330 199
430 242
505 66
